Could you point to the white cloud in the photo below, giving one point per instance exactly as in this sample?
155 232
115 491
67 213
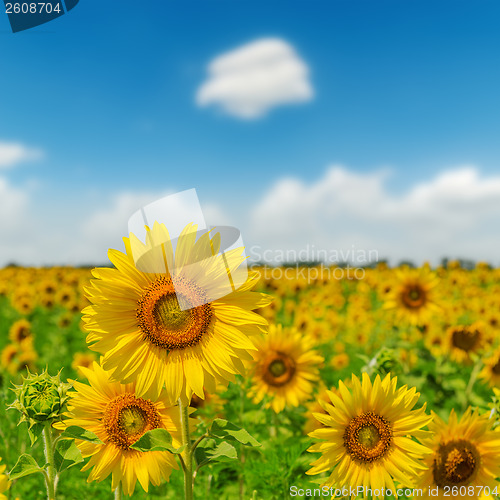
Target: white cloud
13 153
250 80
455 214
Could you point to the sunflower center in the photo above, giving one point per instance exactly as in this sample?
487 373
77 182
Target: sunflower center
465 338
167 313
413 296
279 369
162 321
455 463
133 420
23 333
367 437
496 368
127 418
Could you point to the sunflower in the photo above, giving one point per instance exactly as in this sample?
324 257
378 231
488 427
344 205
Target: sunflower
285 368
16 357
465 454
119 417
4 481
413 296
135 319
368 435
20 330
8 356
464 340
340 361
491 370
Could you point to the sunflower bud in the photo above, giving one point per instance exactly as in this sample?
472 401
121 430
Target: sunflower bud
41 398
382 363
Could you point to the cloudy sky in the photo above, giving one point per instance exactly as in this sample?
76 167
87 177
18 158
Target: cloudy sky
328 124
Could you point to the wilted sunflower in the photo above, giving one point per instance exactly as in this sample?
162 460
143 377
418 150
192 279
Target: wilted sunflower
465 454
137 324
491 370
464 340
285 367
368 433
413 296
119 417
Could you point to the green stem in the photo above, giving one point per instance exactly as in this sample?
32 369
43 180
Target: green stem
242 458
472 381
118 491
187 454
51 477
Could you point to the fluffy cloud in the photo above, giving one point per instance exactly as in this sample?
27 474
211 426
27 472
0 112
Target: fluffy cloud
12 153
455 214
250 80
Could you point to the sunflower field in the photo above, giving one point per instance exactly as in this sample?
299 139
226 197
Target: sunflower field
295 385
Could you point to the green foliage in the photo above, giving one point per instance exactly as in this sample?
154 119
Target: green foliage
156 440
66 454
75 432
223 429
25 466
210 450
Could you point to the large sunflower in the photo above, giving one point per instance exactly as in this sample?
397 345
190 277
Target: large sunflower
465 455
119 417
368 433
413 296
285 368
136 321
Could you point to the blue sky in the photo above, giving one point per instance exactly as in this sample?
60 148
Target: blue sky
401 92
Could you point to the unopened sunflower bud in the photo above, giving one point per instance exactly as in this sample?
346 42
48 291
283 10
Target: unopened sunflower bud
382 363
41 398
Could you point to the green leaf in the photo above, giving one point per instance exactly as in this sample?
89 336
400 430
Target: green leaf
156 440
75 432
66 454
222 429
35 431
211 451
25 466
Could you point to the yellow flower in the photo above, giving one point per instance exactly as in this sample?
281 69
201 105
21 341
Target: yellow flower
491 371
465 454
119 417
20 330
413 296
463 340
4 481
340 361
285 368
368 433
137 324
